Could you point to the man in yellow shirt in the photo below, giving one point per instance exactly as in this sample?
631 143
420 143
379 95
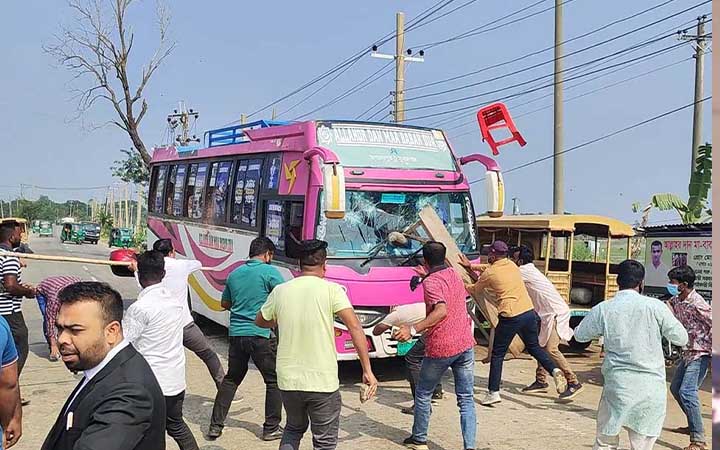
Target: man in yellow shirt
302 309
515 316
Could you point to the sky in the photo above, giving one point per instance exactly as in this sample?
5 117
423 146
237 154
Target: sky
235 57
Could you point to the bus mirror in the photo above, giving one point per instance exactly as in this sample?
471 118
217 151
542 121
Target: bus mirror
334 187
495 193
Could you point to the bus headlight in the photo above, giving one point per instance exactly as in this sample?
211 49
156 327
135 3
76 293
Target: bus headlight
368 318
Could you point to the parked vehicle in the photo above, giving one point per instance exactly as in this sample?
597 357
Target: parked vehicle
72 232
35 226
92 232
578 253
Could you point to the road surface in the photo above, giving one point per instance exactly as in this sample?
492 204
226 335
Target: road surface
519 422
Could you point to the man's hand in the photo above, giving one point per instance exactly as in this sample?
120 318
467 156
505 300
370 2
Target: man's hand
464 262
13 432
32 290
420 270
403 334
133 265
372 383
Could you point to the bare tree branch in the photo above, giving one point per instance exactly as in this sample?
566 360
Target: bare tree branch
97 50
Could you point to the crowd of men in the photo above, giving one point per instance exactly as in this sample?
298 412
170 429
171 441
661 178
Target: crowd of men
133 362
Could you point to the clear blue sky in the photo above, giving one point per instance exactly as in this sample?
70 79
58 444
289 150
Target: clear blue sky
234 57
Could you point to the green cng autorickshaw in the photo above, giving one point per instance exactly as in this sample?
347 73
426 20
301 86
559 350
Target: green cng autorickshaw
121 237
72 232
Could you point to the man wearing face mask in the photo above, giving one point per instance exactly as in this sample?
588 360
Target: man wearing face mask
118 405
246 290
634 394
695 314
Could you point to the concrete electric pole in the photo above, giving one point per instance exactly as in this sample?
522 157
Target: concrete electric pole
558 163
699 41
400 58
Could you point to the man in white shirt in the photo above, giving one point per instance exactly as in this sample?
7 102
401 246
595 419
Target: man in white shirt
154 325
409 315
176 280
554 314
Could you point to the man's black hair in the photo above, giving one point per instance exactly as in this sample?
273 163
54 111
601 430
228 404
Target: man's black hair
6 230
683 274
109 299
434 253
163 246
630 274
261 245
656 244
526 253
151 267
313 253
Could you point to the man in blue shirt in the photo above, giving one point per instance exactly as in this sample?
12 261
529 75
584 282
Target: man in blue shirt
245 292
10 411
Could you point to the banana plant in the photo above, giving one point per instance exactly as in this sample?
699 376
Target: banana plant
696 208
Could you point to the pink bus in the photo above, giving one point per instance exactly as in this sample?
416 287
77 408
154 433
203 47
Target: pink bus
348 183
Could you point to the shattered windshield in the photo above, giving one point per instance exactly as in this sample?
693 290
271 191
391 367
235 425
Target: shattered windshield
371 216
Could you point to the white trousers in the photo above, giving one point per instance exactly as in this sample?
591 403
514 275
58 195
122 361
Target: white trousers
637 442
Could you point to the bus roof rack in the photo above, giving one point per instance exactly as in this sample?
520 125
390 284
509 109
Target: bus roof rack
236 133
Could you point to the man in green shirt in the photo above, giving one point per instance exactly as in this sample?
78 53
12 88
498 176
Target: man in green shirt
245 292
303 311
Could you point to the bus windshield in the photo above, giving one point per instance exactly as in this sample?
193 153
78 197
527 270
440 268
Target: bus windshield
371 216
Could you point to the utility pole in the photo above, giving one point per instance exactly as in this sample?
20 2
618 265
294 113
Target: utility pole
138 212
127 205
699 41
400 58
558 164
112 205
516 207
182 117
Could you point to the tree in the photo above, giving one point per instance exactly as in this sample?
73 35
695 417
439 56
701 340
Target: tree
132 169
98 51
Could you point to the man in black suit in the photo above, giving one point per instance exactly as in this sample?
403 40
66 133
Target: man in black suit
118 405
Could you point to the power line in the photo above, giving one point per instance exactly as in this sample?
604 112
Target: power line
372 107
537 52
529 91
359 86
586 69
484 28
350 60
601 138
376 113
442 15
602 88
584 49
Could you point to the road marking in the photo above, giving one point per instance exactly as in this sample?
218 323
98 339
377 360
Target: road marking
94 279
86 269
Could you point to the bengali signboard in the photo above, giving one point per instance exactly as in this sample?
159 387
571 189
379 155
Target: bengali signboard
665 252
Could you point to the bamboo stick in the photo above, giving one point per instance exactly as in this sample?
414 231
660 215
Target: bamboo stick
75 259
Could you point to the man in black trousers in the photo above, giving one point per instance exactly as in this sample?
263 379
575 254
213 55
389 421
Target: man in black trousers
118 405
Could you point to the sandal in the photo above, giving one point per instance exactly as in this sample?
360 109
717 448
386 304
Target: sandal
696 446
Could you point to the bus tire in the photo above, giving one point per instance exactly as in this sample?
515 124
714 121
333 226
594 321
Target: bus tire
573 344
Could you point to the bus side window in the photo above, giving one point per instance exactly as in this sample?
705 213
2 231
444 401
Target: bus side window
170 189
156 201
283 226
153 187
177 194
216 196
245 199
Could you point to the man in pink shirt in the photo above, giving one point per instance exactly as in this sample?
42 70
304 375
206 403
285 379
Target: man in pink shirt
449 343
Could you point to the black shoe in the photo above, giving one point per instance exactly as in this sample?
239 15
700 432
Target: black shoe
572 390
537 386
214 432
273 435
438 395
409 410
24 402
415 445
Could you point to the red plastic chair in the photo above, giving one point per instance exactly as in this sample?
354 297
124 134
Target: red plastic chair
493 117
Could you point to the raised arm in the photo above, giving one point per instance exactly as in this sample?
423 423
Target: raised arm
590 327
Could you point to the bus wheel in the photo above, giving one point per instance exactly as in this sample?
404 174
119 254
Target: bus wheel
573 344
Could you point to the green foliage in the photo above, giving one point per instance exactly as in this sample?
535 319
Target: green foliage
696 209
139 239
581 252
132 169
46 209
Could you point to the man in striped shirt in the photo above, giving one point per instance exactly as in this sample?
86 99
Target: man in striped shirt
49 288
12 290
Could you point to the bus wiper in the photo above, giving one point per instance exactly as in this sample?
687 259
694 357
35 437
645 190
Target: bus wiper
394 238
410 257
372 254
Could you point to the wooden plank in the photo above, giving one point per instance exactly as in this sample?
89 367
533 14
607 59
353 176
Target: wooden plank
436 230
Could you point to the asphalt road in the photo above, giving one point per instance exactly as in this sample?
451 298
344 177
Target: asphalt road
519 422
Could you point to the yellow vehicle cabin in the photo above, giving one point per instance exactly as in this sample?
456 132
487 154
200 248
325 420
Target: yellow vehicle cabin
578 253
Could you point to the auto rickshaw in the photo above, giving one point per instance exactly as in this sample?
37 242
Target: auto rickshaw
579 254
35 226
121 237
46 229
72 232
